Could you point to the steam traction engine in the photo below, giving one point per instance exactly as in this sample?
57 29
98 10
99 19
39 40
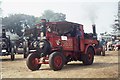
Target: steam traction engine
60 43
6 45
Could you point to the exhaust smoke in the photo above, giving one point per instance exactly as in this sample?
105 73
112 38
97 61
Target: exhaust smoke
91 11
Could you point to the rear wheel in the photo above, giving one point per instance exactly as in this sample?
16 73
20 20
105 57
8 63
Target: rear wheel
88 57
56 61
103 53
98 53
12 54
32 61
98 48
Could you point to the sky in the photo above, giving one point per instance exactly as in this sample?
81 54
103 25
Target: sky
86 12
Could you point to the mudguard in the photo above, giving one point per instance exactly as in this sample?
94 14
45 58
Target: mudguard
86 48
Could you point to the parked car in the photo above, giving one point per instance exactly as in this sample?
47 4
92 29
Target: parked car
117 46
110 46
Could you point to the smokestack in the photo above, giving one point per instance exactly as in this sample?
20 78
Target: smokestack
3 31
94 31
43 21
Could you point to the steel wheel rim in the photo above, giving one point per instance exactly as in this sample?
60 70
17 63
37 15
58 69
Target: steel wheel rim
58 61
35 61
89 56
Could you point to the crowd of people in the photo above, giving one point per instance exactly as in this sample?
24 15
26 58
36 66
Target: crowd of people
109 44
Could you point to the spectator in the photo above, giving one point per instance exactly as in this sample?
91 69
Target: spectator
102 42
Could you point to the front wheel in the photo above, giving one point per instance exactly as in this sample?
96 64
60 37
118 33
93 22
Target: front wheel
32 61
26 52
56 61
88 57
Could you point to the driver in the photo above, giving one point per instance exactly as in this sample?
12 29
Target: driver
78 35
72 31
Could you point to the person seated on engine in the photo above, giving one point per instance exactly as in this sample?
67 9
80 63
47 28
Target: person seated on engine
72 32
75 32
78 32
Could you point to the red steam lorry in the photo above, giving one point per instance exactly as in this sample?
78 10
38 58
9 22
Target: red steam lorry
61 42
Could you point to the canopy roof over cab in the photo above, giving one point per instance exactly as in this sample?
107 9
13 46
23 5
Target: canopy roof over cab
62 26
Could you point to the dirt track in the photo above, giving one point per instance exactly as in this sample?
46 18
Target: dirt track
103 67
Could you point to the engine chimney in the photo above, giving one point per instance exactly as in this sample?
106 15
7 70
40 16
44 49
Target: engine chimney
43 21
3 32
43 29
94 31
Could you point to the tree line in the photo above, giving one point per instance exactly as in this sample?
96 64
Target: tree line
16 22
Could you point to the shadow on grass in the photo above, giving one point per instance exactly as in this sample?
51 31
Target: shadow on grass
82 66
9 59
